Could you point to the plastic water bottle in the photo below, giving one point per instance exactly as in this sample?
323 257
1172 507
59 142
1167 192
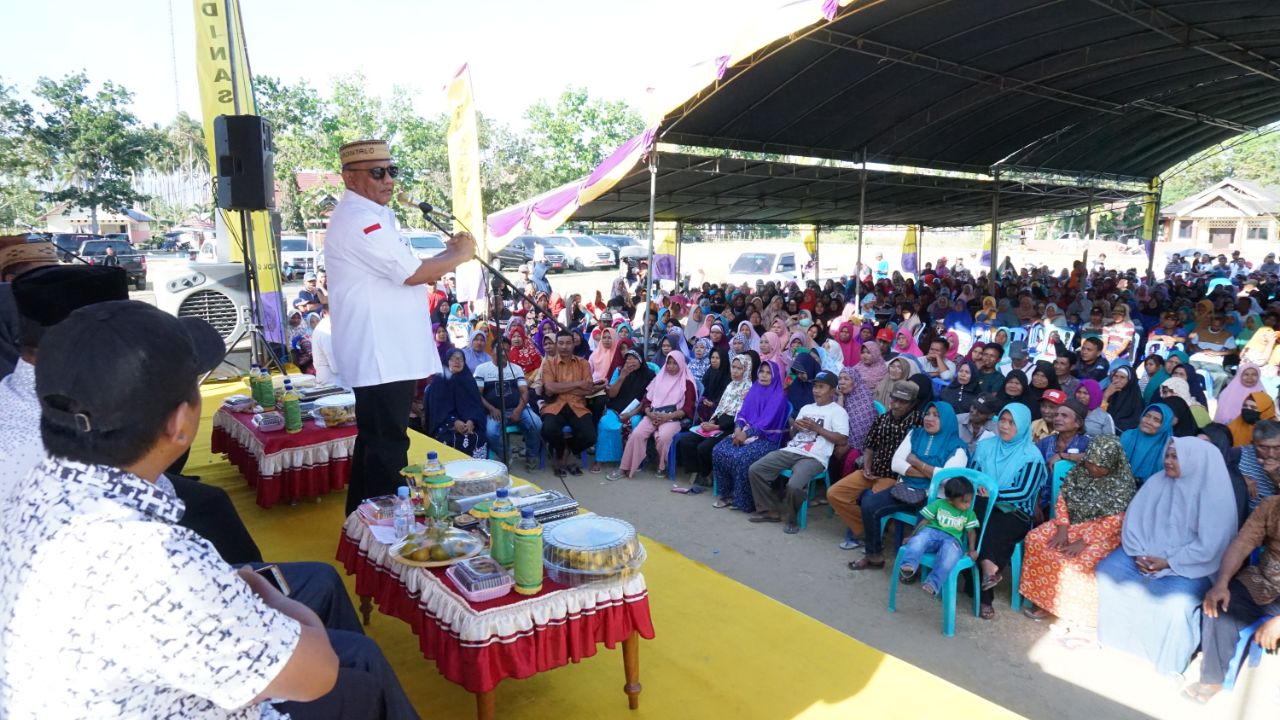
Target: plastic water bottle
431 466
403 516
528 554
255 386
292 409
502 525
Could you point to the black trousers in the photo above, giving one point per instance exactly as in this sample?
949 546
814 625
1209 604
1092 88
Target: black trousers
382 440
367 687
1218 636
693 452
212 516
1002 534
553 425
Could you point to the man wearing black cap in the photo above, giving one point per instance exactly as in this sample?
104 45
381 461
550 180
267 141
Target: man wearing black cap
819 428
979 422
109 609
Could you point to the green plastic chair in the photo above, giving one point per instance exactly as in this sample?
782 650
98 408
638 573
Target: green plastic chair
1060 470
949 589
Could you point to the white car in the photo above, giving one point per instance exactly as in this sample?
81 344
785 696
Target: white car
768 264
582 252
425 244
297 256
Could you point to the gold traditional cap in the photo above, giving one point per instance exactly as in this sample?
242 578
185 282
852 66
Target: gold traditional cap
27 252
363 151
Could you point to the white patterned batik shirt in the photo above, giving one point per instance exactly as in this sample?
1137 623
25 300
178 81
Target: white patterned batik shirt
20 444
109 610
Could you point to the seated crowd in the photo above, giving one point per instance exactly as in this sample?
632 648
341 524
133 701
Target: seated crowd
1129 424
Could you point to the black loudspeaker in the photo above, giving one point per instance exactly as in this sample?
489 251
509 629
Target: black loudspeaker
246 165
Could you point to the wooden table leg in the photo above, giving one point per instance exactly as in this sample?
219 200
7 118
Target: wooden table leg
485 705
631 664
366 607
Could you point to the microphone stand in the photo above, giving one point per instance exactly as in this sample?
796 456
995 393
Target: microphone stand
495 302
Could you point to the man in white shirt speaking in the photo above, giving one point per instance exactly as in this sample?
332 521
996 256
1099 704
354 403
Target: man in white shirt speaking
382 337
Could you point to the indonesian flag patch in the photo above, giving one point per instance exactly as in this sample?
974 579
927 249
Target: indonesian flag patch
372 228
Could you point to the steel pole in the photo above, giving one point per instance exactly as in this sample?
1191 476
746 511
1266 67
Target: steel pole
653 199
995 225
862 217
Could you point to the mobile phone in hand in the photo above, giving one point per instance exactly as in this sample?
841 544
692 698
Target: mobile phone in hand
273 575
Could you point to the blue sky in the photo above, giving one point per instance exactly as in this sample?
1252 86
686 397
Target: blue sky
518 51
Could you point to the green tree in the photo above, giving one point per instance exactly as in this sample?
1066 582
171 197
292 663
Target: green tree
19 200
89 143
300 121
570 138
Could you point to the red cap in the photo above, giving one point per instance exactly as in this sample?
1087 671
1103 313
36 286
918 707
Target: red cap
1057 397
885 334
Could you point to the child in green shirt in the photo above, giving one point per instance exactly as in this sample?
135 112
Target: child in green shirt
944 525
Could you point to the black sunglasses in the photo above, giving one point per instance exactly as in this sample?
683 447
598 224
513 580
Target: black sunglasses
380 172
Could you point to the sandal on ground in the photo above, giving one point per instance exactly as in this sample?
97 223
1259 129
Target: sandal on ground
695 489
991 581
595 468
530 465
986 611
721 504
817 502
928 589
615 475
559 472
678 489
1036 613
575 471
850 544
906 572
791 528
865 564
764 519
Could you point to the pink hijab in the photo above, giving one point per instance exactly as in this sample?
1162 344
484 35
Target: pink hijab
1231 399
911 349
852 348
666 389
778 350
601 359
872 368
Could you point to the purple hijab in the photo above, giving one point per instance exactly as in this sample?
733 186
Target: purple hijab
765 407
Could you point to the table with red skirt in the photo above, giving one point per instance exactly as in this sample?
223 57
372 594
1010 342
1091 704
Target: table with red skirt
285 466
479 644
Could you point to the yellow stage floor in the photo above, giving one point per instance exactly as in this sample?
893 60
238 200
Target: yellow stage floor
722 649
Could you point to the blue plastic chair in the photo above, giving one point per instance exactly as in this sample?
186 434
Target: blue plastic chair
880 410
506 430
938 385
949 589
671 455
1244 646
1060 470
802 517
1209 389
1014 334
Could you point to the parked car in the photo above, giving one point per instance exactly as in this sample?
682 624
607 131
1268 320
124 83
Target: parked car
68 244
766 265
623 246
297 256
134 262
582 251
425 244
520 251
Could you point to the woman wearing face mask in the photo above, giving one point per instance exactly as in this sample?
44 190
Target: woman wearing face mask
1248 380
1255 408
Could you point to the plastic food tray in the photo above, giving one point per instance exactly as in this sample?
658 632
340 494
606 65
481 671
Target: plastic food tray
587 549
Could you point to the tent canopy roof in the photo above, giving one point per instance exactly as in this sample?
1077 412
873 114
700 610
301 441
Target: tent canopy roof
699 189
1125 87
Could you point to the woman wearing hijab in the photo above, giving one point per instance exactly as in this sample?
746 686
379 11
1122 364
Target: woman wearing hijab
1042 378
859 403
1175 531
871 365
746 330
625 392
701 359
523 353
1152 376
606 357
455 413
670 399
1098 422
1184 423
714 381
694 449
1220 436
1060 555
717 336
1012 460
1195 386
800 391
1260 351
846 338
1122 399
1177 388
1014 390
1256 407
924 393
1144 445
1247 381
759 429
962 389
904 344
936 444
773 348
474 352
899 368
832 356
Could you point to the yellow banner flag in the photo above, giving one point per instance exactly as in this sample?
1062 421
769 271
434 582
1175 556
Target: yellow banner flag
464 174
222 69
664 251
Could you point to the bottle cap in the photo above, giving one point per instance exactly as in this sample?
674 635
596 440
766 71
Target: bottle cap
526 512
432 455
502 492
402 491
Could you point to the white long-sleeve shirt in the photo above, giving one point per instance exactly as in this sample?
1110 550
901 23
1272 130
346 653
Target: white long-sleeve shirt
959 459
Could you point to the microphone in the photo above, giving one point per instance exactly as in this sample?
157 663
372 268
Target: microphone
426 207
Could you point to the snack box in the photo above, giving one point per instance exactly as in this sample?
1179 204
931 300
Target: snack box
269 421
590 548
480 578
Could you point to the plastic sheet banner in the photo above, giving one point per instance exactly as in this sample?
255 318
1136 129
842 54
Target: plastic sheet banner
220 48
1150 215
911 251
664 251
464 174
985 261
